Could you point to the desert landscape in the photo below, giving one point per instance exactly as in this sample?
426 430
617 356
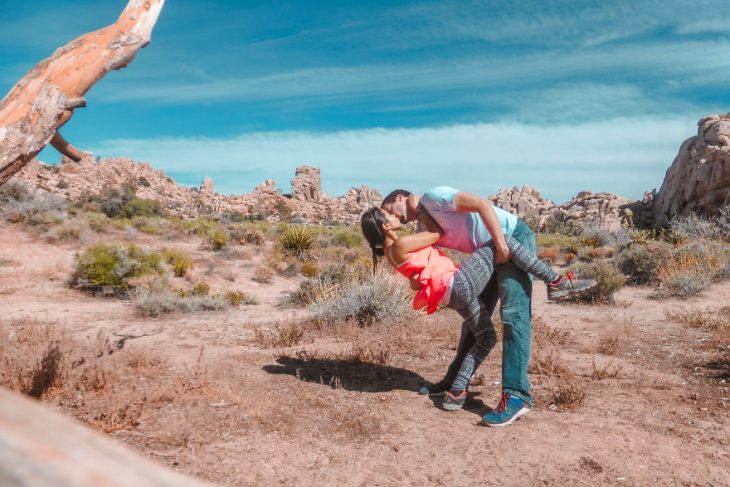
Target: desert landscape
255 348
157 333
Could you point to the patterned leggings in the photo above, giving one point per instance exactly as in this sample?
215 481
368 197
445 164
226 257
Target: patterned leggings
469 281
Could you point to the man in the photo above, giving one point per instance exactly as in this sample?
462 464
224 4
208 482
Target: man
468 222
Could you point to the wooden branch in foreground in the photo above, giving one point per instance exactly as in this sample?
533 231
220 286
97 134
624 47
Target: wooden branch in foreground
41 448
63 146
44 99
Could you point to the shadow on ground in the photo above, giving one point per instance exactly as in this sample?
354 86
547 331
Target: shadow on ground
349 375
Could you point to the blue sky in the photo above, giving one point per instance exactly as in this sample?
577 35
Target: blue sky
481 95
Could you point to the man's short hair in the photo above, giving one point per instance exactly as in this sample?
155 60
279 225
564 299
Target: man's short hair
393 195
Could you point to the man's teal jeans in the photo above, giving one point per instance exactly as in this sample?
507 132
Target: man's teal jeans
513 287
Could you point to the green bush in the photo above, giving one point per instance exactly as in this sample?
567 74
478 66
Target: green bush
218 238
608 280
349 237
180 261
124 203
141 207
641 263
296 241
108 269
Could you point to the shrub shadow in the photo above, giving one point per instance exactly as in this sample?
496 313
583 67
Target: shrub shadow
347 374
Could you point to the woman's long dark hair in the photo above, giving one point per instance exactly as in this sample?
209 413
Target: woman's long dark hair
371 223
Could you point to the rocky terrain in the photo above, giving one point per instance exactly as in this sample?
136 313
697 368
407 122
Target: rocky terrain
698 181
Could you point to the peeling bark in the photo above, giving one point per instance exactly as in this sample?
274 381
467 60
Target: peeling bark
45 98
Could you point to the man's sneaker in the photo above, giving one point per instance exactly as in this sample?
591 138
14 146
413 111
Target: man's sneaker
568 285
452 402
510 408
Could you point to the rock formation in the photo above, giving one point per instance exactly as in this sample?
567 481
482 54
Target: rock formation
527 203
206 187
588 207
698 181
306 185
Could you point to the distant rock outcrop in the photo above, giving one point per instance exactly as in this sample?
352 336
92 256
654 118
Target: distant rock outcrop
306 185
698 181
585 207
527 203
206 187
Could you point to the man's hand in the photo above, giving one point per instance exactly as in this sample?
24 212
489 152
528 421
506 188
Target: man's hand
414 283
503 254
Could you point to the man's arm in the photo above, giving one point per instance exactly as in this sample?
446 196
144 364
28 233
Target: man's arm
471 203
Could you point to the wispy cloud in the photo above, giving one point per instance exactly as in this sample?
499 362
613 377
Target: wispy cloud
625 156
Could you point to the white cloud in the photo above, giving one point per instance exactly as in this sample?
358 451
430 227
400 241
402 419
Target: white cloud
625 156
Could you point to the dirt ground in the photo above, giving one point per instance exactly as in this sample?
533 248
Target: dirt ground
623 394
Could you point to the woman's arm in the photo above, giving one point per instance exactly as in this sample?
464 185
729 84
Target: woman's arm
410 243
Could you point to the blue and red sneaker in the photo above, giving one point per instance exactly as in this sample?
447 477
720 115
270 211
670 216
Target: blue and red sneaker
510 408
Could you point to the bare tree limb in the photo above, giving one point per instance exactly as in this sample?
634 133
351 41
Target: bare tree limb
62 146
44 99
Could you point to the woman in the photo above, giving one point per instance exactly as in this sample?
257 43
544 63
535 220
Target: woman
439 281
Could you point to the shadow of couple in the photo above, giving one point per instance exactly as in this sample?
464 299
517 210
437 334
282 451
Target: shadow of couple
363 377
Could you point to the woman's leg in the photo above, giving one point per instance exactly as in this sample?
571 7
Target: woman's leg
477 319
528 261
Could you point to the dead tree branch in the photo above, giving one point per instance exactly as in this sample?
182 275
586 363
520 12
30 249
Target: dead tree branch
45 98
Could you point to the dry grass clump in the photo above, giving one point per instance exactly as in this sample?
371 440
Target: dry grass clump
547 364
239 298
377 298
607 371
707 320
157 299
568 395
281 337
544 334
609 343
72 230
180 261
263 274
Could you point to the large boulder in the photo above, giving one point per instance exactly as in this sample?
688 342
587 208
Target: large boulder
698 181
587 207
307 184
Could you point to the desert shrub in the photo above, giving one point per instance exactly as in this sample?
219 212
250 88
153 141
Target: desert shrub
323 285
263 274
218 238
722 222
199 289
555 224
691 269
692 227
281 337
98 222
349 237
569 257
156 300
109 269
608 280
239 298
607 371
150 226
377 298
67 231
641 263
180 261
20 204
296 241
62 184
594 234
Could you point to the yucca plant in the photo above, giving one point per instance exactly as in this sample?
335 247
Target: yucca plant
296 241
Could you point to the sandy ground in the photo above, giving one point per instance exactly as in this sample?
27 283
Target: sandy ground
301 416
